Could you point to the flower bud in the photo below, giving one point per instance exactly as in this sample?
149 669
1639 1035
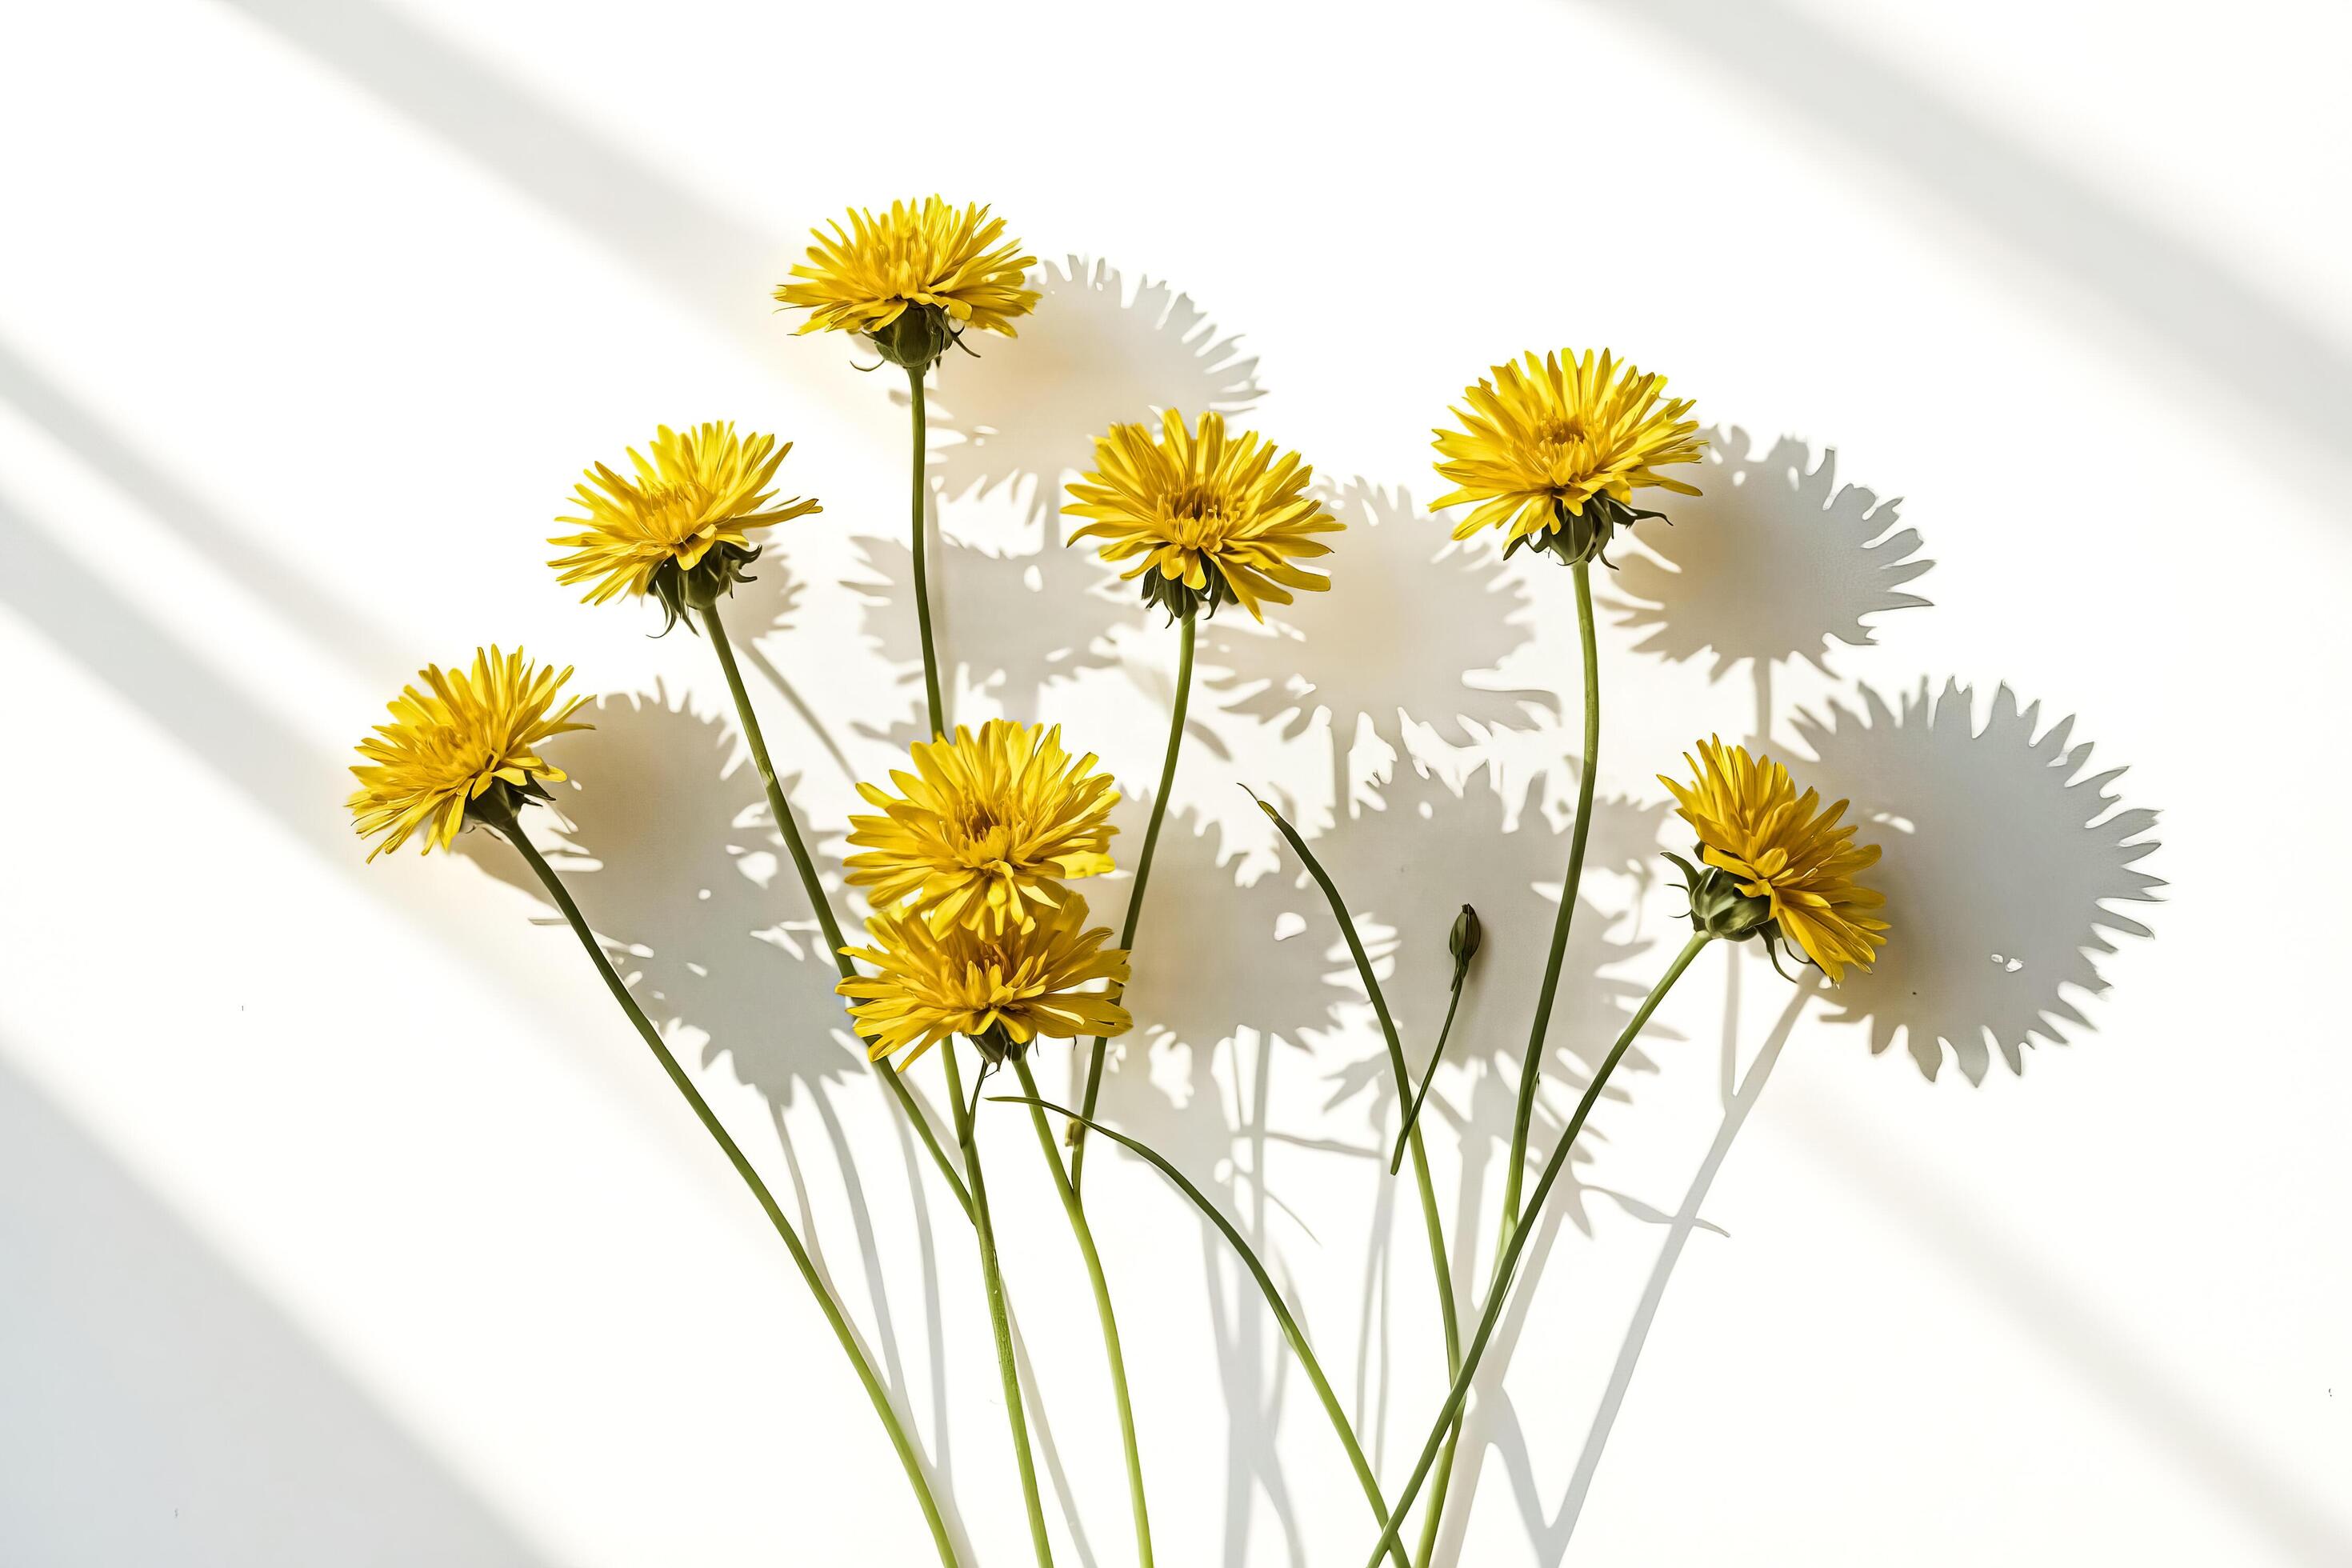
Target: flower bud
1461 942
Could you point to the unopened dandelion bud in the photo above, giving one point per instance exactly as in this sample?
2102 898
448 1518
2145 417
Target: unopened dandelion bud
1461 942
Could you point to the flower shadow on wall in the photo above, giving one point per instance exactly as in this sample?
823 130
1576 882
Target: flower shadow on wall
1351 652
2006 856
1218 978
1020 418
1010 625
665 840
1774 563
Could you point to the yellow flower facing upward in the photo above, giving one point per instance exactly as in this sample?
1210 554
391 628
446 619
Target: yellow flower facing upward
1547 436
982 831
1774 845
1204 518
680 525
1001 990
464 736
947 269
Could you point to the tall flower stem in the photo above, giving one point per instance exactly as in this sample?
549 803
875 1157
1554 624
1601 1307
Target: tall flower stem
789 825
1142 880
1516 1243
1111 1351
1531 1068
907 1457
993 1280
915 543
1275 1304
1431 1223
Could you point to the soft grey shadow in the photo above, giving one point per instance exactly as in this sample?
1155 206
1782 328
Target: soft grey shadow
1098 351
765 606
1773 563
2193 306
662 834
1350 651
1009 624
1209 982
161 1410
2002 858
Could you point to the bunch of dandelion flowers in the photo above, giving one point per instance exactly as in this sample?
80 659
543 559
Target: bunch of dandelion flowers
1199 518
1002 989
678 529
463 750
1765 852
913 281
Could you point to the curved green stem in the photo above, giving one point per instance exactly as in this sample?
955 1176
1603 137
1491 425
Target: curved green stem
1076 1133
1430 1223
788 825
993 1280
931 705
1274 1301
907 1457
1531 1068
1429 1073
1516 1243
1111 1351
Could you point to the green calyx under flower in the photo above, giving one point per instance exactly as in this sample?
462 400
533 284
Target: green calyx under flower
1720 910
698 587
1584 535
501 806
996 1045
916 337
1182 600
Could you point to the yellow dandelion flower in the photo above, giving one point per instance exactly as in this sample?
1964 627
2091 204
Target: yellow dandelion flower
447 746
1001 990
1547 436
687 513
982 831
1775 844
948 269
1205 519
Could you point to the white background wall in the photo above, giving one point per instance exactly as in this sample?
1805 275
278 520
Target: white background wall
341 1221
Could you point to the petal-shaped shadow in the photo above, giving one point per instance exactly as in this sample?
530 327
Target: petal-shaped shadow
1013 624
2002 861
1349 651
1775 562
1096 351
1406 869
666 844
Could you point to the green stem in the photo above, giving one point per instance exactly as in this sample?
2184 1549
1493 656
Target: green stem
1111 1351
1430 1223
711 1124
1429 1074
1433 1514
922 585
1134 899
993 1280
1275 1303
1531 1068
789 825
1516 1243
